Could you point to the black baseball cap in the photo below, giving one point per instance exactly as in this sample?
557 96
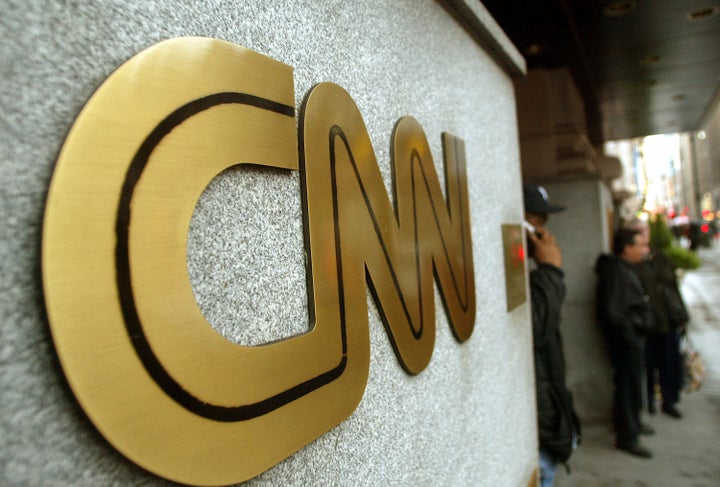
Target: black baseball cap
536 201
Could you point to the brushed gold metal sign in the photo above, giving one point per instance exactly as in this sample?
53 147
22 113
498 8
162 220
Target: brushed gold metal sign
152 374
514 253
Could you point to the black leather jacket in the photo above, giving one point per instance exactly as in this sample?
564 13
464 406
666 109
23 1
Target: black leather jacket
547 291
558 426
622 305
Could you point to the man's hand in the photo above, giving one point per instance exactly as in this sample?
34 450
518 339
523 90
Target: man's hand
547 250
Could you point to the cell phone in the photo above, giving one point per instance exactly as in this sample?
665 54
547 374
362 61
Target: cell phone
531 228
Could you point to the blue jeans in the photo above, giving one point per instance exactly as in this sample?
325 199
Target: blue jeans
547 470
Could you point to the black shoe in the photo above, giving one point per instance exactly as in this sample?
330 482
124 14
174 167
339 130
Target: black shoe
646 429
672 411
651 409
636 449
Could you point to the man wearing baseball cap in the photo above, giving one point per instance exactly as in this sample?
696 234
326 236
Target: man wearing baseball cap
558 426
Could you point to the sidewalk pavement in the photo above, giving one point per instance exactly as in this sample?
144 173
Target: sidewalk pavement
686 451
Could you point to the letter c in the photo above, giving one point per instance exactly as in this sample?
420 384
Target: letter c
158 382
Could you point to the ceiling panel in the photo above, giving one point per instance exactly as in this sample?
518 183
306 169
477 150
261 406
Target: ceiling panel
650 70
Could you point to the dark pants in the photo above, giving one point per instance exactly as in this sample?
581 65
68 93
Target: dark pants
662 354
629 363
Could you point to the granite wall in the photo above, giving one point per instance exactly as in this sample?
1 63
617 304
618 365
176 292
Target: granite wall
468 419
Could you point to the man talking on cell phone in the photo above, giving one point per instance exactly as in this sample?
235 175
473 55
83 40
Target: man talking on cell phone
558 426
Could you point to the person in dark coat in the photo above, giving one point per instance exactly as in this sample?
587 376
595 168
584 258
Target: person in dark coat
558 426
662 349
623 312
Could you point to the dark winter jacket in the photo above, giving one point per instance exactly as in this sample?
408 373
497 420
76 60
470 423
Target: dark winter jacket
558 427
657 275
622 305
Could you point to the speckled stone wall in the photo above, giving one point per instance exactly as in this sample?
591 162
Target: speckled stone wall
468 419
583 232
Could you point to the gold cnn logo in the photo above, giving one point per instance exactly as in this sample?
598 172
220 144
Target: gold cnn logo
152 374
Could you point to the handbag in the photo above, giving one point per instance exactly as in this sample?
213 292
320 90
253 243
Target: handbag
693 367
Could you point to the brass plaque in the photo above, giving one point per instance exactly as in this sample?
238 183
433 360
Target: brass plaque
515 274
152 374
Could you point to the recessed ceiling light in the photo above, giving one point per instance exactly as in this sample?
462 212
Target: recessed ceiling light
619 8
648 60
535 48
702 13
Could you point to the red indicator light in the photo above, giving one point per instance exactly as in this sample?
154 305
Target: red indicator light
517 254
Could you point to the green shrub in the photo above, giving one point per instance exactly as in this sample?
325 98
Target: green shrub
661 237
682 258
